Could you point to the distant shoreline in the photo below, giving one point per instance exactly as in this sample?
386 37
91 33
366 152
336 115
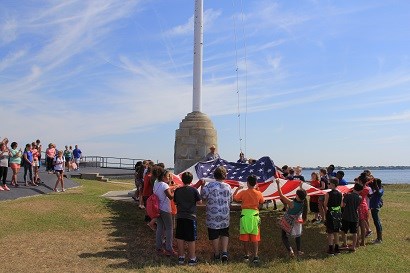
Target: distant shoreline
361 168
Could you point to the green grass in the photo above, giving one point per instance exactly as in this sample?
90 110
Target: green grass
79 231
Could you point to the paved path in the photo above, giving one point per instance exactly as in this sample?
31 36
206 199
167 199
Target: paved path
50 180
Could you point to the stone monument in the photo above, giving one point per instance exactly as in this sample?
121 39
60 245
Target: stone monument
196 132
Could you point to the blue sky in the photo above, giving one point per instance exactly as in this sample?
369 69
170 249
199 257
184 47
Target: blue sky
319 82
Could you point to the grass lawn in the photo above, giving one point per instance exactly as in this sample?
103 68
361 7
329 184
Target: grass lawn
79 231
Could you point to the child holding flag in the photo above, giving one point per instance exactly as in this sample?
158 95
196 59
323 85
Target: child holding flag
250 220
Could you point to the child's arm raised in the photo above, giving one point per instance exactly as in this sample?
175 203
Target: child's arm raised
283 198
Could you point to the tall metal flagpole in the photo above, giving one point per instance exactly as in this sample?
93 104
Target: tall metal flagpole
196 131
198 49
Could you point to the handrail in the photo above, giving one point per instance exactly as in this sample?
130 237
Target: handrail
110 162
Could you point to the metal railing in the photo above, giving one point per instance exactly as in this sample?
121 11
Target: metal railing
109 162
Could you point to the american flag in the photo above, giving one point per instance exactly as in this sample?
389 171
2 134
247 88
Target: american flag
264 169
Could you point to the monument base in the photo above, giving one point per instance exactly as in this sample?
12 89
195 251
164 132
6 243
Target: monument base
195 135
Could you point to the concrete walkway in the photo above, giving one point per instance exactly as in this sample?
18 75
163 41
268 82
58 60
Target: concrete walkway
49 181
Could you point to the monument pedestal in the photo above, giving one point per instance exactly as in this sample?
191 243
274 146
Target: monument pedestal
195 135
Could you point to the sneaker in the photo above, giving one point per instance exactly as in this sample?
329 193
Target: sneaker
217 258
5 188
369 233
377 241
224 257
56 190
193 262
181 260
314 220
63 190
255 260
1 188
330 253
246 258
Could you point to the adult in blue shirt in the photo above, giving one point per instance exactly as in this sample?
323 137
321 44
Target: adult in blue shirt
77 156
340 175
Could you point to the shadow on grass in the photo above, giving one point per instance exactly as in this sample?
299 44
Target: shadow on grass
134 241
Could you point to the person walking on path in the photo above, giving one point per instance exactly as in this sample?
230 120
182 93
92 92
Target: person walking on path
68 155
59 170
50 154
77 156
36 163
28 165
15 161
4 163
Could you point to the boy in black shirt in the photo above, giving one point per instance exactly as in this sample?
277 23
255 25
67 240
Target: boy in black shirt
350 216
186 198
333 211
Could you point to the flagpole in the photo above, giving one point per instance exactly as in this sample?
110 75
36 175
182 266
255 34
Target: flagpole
198 52
196 133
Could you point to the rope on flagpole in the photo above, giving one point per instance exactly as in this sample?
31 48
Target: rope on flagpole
237 82
246 71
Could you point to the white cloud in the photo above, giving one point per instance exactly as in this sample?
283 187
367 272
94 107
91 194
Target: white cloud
274 62
396 117
11 58
8 31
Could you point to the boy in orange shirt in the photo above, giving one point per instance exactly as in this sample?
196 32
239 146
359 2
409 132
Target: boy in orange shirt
250 220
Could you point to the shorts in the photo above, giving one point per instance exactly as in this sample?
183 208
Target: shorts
36 164
250 237
333 223
67 159
186 230
349 226
15 166
77 161
216 233
59 171
314 206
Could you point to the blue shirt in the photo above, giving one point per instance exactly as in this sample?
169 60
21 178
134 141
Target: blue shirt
77 153
342 182
29 155
376 199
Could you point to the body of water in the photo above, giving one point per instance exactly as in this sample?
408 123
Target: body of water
387 176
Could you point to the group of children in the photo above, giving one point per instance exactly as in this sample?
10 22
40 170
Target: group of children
340 214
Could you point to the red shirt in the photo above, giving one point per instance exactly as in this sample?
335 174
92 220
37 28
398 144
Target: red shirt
316 184
147 189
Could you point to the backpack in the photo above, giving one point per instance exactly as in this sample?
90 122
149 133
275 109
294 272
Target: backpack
153 206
